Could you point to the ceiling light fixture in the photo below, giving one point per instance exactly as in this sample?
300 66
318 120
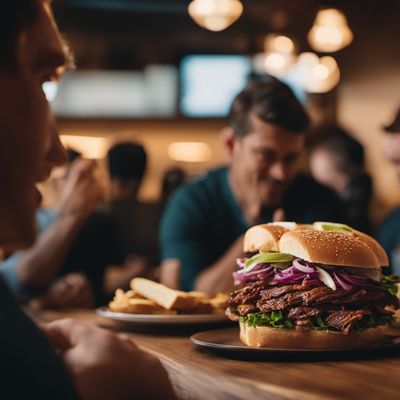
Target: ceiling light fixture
330 31
215 15
278 56
318 75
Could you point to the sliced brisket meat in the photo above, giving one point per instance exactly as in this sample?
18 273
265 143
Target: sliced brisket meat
246 295
230 313
345 320
281 303
304 312
278 291
245 309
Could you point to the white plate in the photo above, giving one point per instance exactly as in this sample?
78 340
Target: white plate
159 319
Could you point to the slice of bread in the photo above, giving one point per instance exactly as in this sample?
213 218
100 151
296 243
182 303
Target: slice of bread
138 306
164 296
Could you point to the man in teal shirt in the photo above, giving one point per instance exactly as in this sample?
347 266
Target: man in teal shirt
202 227
389 232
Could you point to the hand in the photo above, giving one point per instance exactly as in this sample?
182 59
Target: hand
279 215
82 191
106 366
71 291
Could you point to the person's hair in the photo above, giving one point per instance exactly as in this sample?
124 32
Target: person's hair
347 152
270 100
15 16
173 178
127 161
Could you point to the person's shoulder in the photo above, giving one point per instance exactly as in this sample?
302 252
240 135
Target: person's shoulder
204 186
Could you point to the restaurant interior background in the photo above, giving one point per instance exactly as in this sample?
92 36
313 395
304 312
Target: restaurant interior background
148 71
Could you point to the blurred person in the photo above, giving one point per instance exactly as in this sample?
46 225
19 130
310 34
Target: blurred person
48 364
388 233
337 161
135 223
127 164
65 266
173 178
203 225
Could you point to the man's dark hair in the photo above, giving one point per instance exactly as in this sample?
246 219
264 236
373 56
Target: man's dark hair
127 161
15 16
271 101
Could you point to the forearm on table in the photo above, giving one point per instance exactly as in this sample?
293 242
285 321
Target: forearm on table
218 277
39 265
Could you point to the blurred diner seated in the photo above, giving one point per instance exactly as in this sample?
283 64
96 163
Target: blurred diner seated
204 222
173 178
134 222
64 268
337 161
388 233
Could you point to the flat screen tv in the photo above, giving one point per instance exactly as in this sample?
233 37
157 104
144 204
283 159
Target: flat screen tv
208 83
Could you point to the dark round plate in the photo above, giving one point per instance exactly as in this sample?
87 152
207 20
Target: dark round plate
226 343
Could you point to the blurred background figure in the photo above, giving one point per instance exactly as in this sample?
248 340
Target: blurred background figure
173 178
202 228
135 223
389 232
127 165
65 267
337 161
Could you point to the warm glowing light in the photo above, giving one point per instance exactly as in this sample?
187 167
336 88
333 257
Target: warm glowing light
317 75
91 147
278 56
275 61
278 43
321 72
215 15
189 151
330 31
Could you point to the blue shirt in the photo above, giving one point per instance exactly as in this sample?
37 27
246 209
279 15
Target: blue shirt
203 219
8 268
389 237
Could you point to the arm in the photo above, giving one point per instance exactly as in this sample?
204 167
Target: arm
217 277
184 239
38 266
119 371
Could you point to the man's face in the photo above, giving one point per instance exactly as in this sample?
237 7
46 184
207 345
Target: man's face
265 161
391 150
25 126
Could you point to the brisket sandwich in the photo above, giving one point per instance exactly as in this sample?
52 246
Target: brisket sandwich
312 286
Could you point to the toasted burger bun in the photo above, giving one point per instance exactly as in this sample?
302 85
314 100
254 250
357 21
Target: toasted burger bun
264 336
263 237
375 247
370 241
334 248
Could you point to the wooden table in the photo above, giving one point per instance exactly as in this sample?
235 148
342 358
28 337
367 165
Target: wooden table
198 374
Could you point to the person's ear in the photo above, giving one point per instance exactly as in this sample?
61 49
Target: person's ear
229 141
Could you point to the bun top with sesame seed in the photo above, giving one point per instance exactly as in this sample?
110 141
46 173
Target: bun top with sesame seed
328 247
